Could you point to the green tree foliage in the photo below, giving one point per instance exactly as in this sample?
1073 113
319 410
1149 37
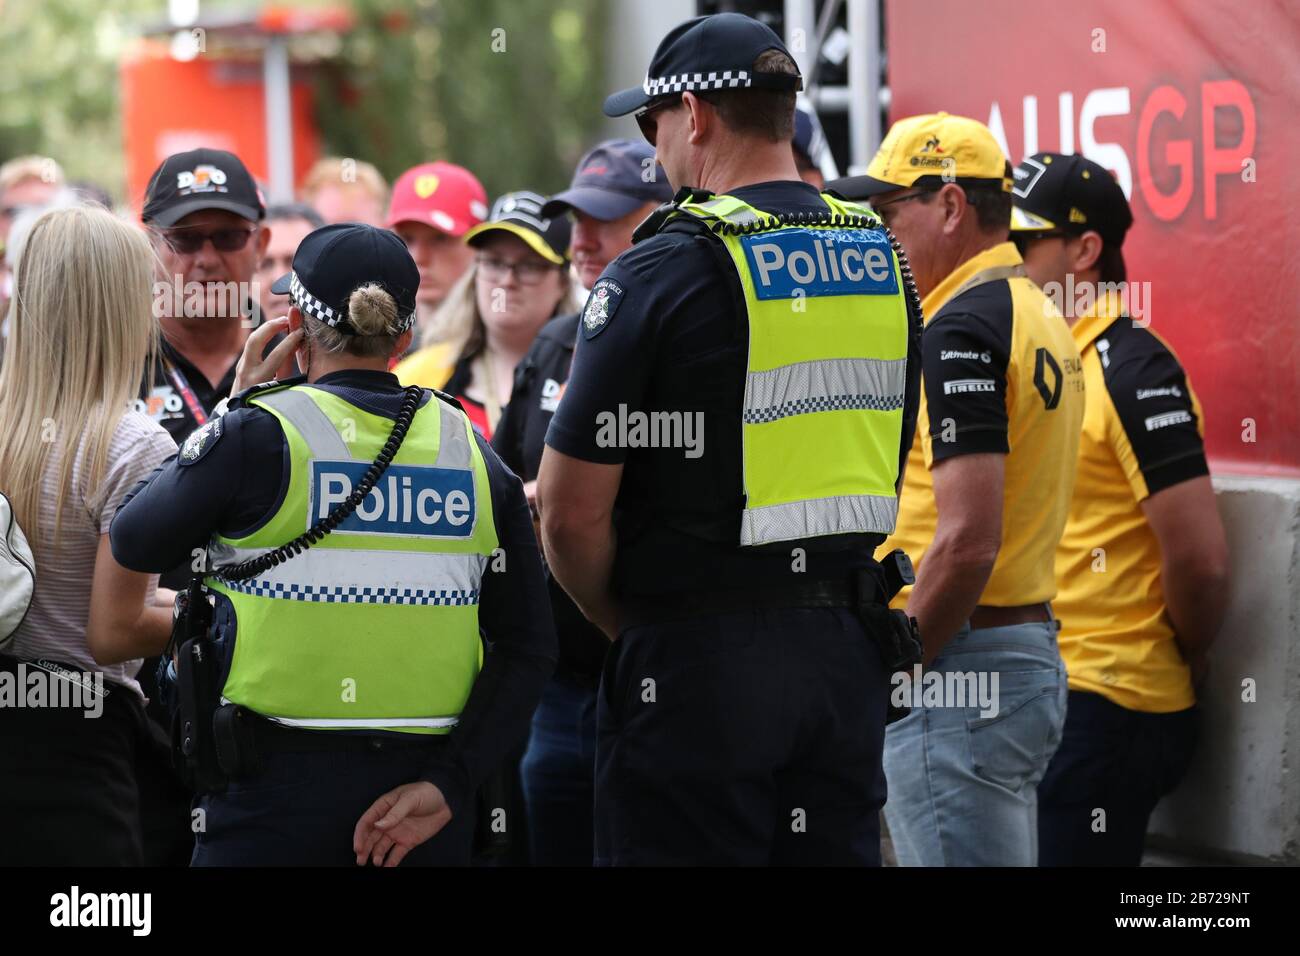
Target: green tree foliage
415 80
509 88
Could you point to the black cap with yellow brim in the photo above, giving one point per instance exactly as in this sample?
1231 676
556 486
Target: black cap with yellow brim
520 215
933 147
1056 191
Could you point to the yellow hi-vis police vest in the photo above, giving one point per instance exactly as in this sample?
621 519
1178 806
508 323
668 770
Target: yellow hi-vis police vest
827 369
376 625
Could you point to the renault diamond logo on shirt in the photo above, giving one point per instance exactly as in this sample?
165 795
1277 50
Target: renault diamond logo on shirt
407 500
820 262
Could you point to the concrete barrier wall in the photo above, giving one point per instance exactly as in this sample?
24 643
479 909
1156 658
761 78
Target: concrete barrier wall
1241 799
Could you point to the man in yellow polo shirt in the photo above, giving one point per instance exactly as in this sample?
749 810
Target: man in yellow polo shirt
983 504
1142 566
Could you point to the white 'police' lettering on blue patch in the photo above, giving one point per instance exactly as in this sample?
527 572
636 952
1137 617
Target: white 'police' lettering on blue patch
820 262
414 500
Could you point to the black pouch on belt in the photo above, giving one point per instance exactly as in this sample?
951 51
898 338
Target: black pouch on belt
232 732
893 631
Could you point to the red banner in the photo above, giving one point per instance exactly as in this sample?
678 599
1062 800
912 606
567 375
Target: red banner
1192 104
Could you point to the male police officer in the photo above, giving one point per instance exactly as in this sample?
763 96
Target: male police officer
742 706
356 722
1142 566
983 505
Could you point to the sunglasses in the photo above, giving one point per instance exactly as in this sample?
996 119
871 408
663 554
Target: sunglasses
645 118
1024 240
186 242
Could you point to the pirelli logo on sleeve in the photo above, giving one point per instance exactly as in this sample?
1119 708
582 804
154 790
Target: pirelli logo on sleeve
959 386
1168 418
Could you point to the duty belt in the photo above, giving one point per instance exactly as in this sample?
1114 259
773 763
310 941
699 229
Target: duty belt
865 590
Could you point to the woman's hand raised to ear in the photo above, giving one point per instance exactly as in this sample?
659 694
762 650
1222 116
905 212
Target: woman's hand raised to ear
253 369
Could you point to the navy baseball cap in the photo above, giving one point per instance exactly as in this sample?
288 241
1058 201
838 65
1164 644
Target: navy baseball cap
1068 193
335 260
201 179
707 53
612 180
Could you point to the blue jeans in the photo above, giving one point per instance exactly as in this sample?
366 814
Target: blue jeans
559 770
963 780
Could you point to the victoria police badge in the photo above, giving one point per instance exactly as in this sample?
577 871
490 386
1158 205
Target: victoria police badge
200 442
605 296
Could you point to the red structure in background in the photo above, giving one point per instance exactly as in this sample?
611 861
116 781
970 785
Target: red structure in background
218 98
169 106
1193 108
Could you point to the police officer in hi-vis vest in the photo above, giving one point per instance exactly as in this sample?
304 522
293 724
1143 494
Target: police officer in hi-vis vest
359 538
745 387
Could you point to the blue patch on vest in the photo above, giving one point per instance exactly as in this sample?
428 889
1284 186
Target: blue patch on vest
413 500
820 262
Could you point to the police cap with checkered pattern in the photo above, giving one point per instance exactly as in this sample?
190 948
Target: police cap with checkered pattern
708 53
333 261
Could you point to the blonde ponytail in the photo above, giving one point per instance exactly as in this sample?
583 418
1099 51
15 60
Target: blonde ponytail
372 311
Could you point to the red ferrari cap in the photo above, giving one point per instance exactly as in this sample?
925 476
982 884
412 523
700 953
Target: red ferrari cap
443 195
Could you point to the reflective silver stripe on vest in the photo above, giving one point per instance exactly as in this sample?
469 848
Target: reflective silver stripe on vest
453 440
824 385
846 514
338 576
315 426
325 443
329 723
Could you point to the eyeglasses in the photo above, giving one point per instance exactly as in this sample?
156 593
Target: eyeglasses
880 207
528 272
646 121
186 242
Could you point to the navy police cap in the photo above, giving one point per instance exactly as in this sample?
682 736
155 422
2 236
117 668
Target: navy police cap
708 53
333 261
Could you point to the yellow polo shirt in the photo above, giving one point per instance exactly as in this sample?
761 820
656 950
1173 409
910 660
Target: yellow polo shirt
1000 373
1142 433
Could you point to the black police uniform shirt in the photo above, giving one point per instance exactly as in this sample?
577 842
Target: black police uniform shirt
676 338
236 483
538 387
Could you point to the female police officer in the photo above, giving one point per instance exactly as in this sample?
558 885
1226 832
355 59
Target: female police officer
359 710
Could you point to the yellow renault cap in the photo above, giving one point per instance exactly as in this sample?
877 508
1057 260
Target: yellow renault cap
931 146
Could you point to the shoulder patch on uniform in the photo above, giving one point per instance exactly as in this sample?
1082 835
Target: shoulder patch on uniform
200 442
605 296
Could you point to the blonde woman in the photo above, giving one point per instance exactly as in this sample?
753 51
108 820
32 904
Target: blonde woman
80 327
519 281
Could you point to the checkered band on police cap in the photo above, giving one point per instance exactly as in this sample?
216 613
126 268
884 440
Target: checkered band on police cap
683 82
308 304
